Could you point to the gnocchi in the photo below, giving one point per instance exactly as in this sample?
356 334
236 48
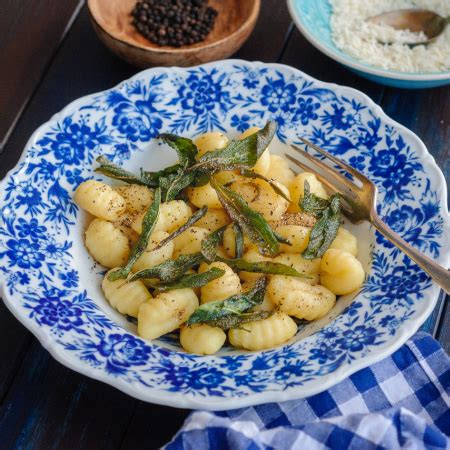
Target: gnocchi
125 296
261 197
202 339
171 216
189 241
204 196
220 288
262 334
209 142
297 189
279 170
341 272
345 241
297 235
100 199
300 299
166 312
107 244
255 308
151 257
310 268
213 220
137 198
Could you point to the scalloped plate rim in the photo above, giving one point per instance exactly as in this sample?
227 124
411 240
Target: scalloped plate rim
181 400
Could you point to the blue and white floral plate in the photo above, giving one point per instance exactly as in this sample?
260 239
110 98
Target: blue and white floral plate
52 286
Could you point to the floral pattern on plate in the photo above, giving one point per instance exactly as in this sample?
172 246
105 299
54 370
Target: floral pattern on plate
40 265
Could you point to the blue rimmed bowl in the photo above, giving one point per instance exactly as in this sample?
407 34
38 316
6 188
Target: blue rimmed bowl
51 284
312 18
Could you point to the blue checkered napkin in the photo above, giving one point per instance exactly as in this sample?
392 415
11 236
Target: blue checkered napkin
401 402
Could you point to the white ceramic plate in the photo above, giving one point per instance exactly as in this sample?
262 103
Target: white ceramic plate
52 286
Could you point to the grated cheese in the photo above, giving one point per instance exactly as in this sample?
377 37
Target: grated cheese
359 39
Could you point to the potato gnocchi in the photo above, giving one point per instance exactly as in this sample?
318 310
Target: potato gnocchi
220 255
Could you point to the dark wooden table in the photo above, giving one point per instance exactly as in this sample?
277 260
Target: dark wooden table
50 56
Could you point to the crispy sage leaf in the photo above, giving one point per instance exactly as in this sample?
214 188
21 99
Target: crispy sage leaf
192 281
328 214
148 224
210 243
185 148
231 310
251 174
324 231
191 221
267 267
173 184
111 170
154 177
311 203
170 178
239 240
238 154
201 178
236 320
250 221
170 270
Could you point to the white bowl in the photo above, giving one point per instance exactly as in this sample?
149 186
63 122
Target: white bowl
312 18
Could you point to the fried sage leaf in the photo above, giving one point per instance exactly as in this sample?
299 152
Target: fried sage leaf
210 243
251 174
236 320
251 222
192 281
238 154
185 148
170 179
311 203
111 170
328 214
173 184
201 178
170 270
239 240
154 177
191 221
148 224
231 311
267 267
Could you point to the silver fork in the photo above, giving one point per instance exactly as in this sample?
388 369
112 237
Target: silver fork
360 205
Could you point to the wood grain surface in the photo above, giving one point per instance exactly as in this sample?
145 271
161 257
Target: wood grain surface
44 405
30 34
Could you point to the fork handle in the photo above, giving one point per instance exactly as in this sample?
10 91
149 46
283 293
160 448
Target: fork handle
438 273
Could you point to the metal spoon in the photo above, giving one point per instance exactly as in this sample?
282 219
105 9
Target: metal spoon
415 20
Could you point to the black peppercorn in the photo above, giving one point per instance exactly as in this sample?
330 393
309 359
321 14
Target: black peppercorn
173 22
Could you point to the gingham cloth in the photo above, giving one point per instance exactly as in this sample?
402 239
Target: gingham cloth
401 402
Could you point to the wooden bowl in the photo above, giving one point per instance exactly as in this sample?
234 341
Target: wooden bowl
234 23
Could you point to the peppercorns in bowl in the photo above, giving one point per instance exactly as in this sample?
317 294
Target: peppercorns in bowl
174 22
173 32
